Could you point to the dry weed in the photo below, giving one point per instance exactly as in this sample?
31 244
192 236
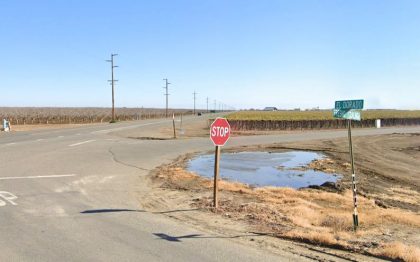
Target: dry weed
325 238
337 222
309 215
397 250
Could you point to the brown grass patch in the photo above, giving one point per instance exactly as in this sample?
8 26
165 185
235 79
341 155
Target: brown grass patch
308 215
399 251
313 237
399 194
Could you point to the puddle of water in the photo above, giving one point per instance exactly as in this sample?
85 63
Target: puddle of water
264 169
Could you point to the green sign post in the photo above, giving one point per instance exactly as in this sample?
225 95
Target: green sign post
348 109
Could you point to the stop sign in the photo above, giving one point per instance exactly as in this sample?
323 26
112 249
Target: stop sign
220 131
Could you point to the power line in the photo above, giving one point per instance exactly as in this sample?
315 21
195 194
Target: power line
166 94
112 84
194 101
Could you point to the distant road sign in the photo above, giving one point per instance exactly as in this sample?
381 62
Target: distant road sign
219 131
349 104
347 114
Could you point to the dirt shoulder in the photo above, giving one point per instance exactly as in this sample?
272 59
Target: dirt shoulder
319 218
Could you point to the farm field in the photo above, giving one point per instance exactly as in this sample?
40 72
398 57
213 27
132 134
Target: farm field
79 115
318 115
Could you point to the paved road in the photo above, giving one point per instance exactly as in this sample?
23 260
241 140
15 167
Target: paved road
73 195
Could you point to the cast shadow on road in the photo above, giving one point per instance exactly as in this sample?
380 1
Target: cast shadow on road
116 210
109 210
200 236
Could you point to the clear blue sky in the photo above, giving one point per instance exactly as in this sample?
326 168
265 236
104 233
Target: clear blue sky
245 53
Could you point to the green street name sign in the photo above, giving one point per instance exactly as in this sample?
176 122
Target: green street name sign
347 114
349 104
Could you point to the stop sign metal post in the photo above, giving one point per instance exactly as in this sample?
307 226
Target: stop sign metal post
219 134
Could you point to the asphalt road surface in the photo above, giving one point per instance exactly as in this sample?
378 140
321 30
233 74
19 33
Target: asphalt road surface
73 195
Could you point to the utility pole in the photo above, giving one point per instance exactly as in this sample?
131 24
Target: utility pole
194 101
112 83
166 94
207 105
215 108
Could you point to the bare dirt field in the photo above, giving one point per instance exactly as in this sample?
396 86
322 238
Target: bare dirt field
388 175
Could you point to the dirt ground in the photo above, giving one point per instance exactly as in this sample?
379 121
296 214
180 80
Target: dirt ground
388 180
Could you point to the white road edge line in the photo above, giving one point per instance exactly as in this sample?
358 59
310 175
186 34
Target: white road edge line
81 143
33 177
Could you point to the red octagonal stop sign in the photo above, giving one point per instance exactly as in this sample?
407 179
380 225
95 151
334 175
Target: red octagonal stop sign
220 131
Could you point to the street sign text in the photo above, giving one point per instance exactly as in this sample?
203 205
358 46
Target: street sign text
219 131
349 104
351 114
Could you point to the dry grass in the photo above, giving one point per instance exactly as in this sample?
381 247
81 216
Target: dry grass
397 250
308 215
313 237
325 209
319 209
331 210
398 194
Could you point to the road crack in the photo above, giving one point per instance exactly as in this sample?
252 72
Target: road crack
115 159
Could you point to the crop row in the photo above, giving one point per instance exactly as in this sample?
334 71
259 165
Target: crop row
271 125
319 115
45 115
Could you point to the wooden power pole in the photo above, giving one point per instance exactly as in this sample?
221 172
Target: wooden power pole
167 95
195 94
112 84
